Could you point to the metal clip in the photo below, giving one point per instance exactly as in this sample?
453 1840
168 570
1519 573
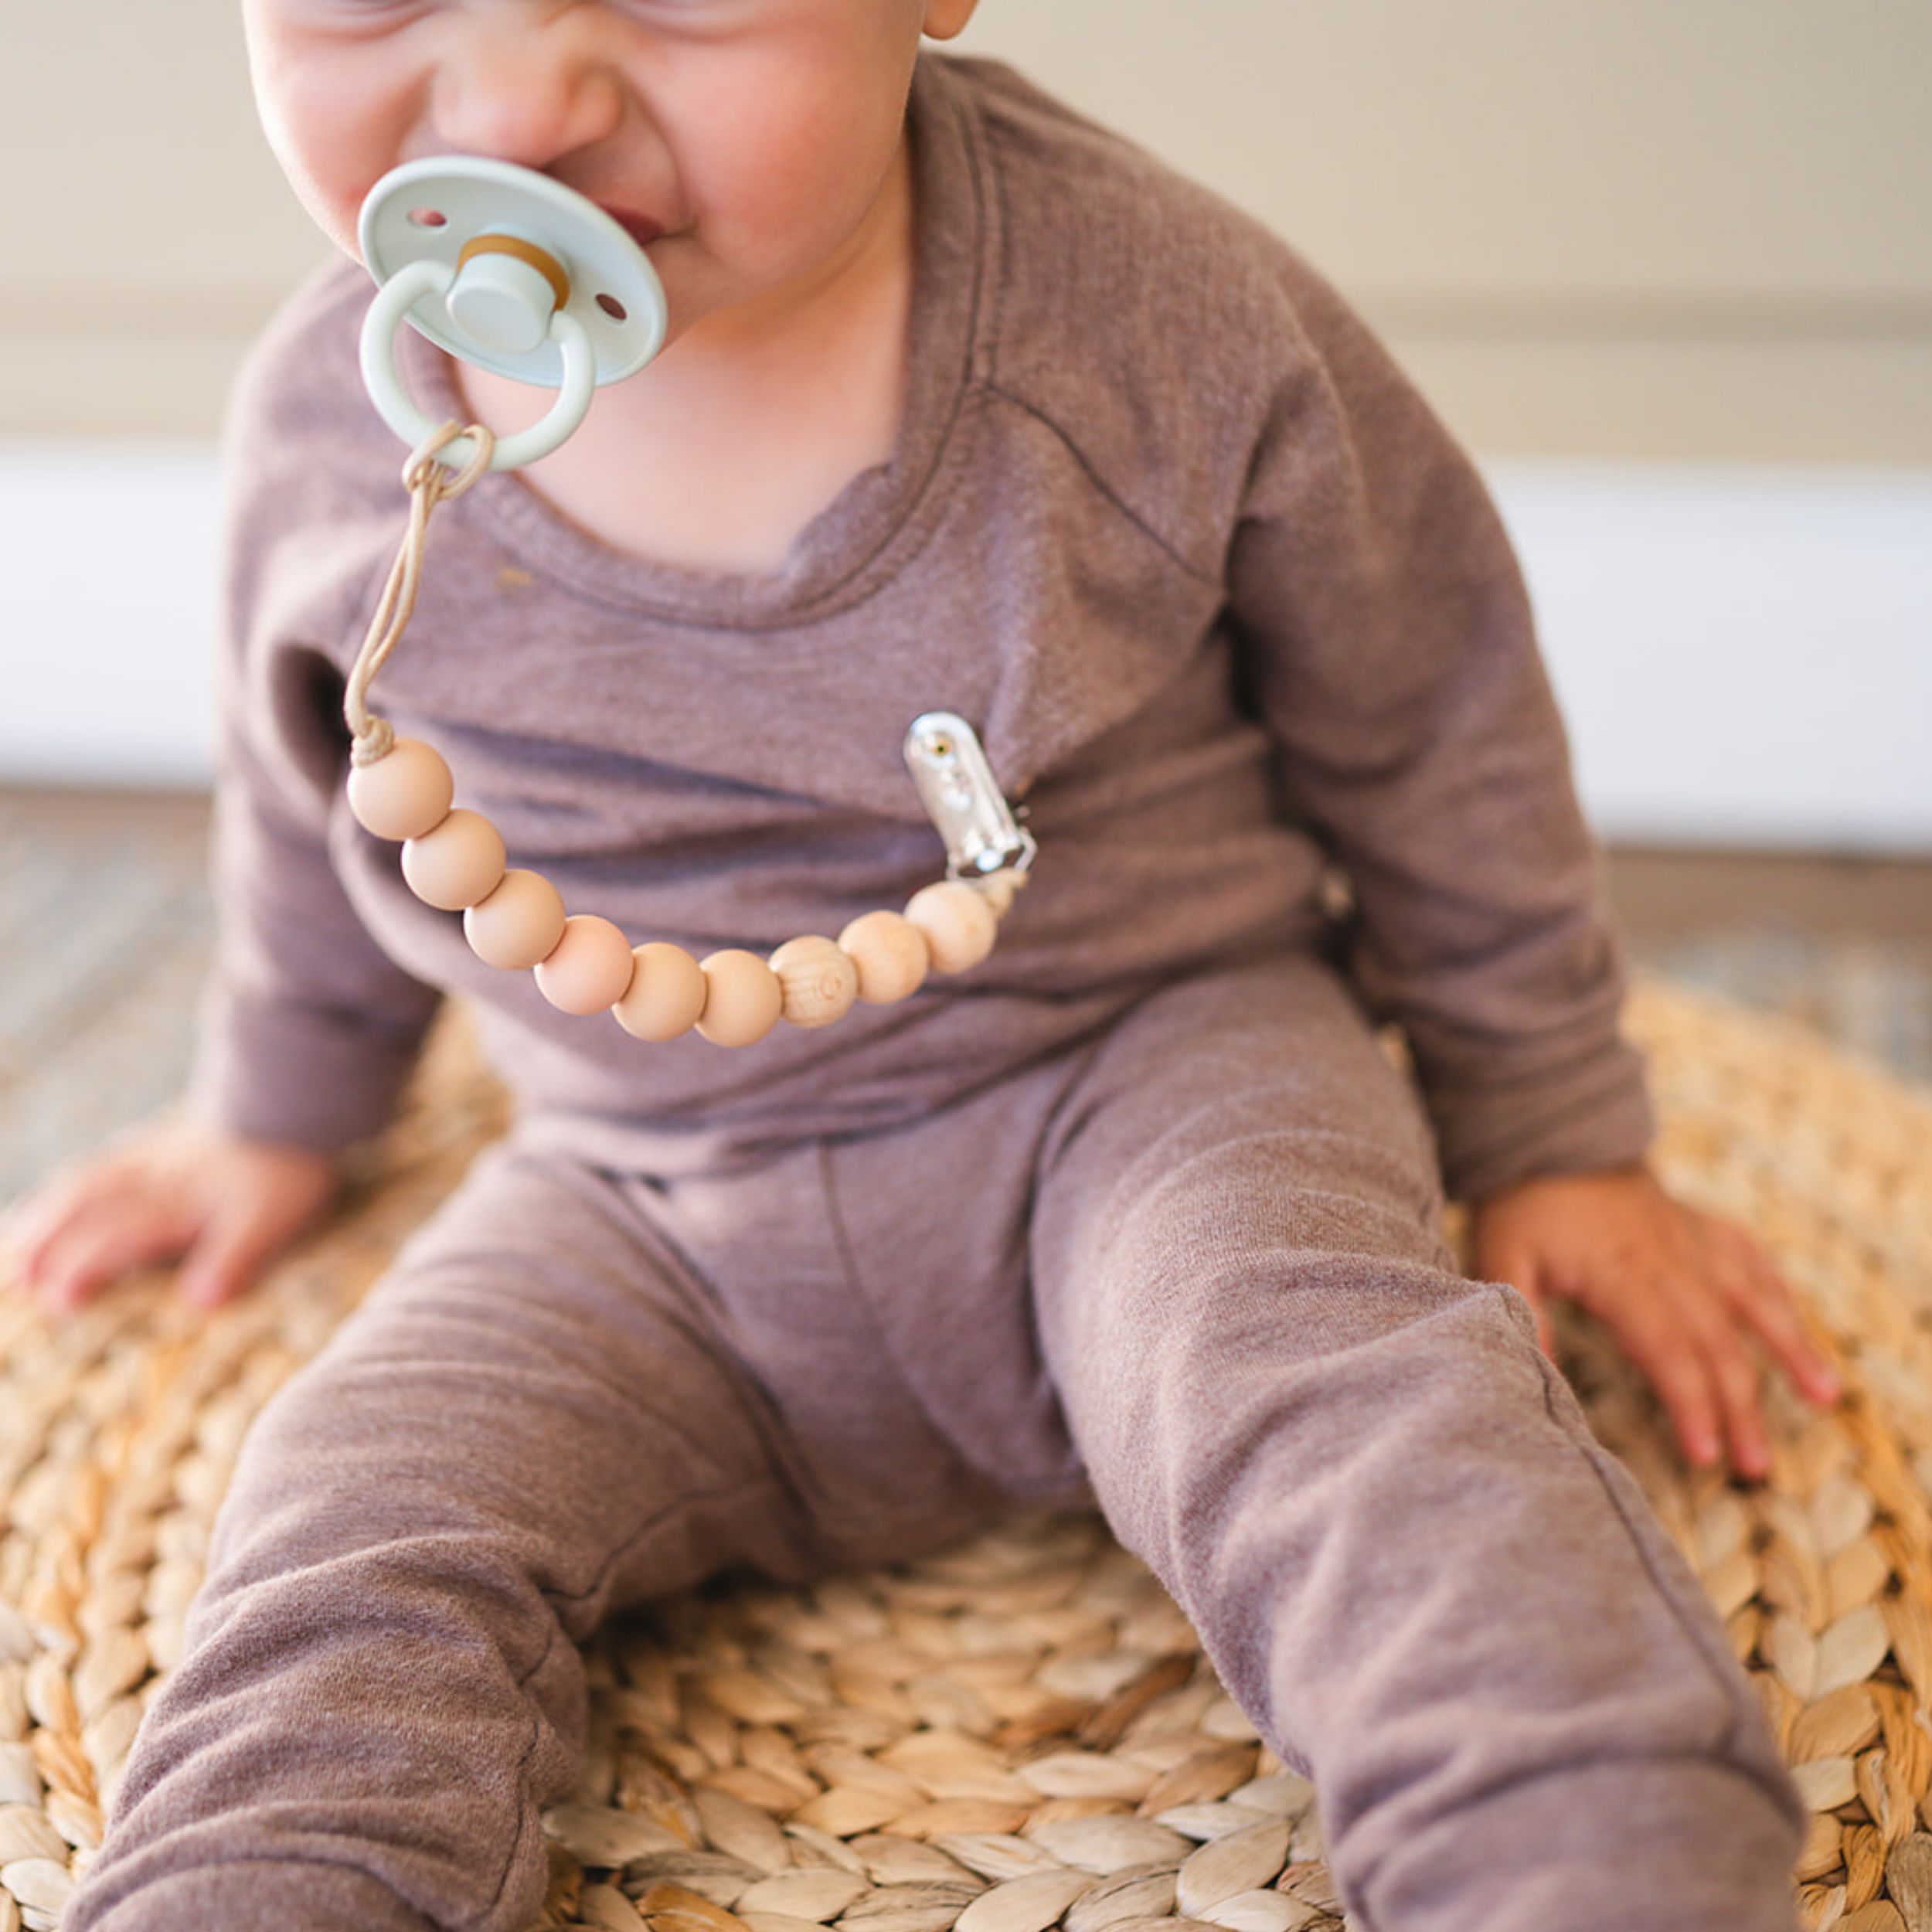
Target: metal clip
963 799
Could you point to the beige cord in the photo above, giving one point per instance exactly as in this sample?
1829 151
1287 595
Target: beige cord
429 481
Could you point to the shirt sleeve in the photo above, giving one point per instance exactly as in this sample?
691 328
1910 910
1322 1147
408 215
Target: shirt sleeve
1389 639
307 1032
307 1029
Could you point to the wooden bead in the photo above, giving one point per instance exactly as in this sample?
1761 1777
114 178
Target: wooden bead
519 923
744 1001
889 953
591 968
818 981
667 993
459 862
403 793
959 925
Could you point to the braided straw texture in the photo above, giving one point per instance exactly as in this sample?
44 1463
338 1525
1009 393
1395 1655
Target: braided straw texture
1020 1733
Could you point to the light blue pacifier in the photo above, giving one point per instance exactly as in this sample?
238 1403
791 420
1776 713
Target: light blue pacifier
510 271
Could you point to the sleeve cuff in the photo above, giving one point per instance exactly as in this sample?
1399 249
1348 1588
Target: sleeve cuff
299 1078
1591 1119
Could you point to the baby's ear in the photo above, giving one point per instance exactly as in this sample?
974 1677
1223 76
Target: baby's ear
944 18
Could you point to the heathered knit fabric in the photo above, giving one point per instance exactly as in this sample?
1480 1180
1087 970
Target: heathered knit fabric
1139 1208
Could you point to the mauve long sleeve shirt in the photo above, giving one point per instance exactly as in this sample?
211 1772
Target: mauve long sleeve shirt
1230 611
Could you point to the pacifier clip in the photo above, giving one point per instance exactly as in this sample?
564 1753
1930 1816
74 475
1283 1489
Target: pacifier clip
479 256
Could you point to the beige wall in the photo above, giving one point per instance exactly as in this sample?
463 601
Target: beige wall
1592 227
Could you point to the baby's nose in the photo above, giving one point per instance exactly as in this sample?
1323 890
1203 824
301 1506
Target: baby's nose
528 91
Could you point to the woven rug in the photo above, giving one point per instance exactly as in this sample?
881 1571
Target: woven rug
1020 1733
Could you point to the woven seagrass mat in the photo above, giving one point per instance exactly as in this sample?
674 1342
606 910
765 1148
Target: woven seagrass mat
1020 1733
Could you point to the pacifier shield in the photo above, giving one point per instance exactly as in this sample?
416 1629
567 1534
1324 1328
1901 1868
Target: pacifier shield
492 308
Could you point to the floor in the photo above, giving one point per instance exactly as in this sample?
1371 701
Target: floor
1843 944
108 926
102 951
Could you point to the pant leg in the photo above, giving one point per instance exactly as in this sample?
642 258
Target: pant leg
530 1419
1379 1505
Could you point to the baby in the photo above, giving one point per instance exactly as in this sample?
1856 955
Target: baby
966 405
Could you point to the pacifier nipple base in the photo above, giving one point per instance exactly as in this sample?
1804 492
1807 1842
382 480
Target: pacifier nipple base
505 293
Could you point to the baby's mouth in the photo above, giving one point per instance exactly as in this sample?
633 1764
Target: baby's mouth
640 228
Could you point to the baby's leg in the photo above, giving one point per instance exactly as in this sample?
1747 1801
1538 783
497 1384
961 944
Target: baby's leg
1380 1506
530 1419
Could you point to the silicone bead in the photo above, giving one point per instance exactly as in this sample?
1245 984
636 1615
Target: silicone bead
818 981
591 968
518 924
403 793
959 925
744 1001
890 954
459 862
668 992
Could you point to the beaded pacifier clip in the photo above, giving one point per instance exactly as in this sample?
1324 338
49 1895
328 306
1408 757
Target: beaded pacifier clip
508 269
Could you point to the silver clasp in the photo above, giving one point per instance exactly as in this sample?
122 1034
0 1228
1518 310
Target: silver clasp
963 799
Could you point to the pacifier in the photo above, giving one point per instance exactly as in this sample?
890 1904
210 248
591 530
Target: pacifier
508 270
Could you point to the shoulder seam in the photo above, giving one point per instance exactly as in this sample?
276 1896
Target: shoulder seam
1200 575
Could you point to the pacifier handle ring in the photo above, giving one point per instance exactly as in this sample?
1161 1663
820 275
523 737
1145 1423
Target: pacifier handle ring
377 354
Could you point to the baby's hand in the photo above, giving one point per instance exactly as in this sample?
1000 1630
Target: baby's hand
1684 1293
221 1205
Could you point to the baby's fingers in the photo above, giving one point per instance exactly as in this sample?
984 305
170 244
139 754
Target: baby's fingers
1689 1399
173 1192
229 1256
1739 1390
82 1237
1766 1304
1698 1363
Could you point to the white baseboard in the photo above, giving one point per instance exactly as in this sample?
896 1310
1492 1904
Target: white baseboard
1745 656
107 550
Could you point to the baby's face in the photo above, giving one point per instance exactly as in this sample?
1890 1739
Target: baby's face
746 143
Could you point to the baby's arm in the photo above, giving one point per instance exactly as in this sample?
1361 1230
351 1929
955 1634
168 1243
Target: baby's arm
174 1190
1686 1295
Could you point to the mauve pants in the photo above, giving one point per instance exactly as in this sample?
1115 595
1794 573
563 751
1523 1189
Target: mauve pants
1197 1263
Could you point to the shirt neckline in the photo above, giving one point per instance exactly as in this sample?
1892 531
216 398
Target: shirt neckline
882 518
